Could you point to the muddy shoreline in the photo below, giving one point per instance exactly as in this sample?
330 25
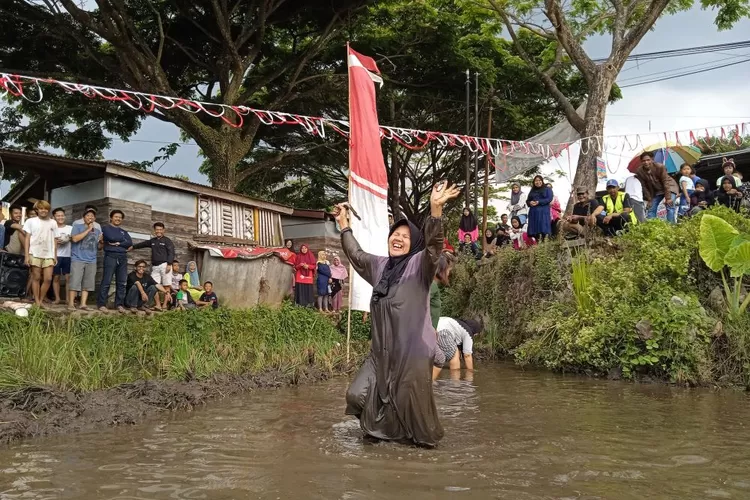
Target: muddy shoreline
38 412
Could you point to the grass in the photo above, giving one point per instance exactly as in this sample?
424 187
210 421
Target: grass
99 352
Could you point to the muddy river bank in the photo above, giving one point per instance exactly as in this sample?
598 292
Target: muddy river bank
509 434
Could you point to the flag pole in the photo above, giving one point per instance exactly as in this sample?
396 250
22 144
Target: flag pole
351 273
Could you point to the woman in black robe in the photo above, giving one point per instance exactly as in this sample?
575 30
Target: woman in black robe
392 392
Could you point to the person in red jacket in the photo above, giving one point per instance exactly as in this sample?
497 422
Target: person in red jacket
305 276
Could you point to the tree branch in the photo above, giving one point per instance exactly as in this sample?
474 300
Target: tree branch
568 40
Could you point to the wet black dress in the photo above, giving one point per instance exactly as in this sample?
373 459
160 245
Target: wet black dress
392 392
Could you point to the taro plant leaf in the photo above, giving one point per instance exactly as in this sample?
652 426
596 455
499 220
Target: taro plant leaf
738 259
716 237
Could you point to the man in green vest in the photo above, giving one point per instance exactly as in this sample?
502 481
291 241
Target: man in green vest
618 210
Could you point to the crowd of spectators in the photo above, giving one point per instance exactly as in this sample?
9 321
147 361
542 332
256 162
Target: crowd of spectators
649 193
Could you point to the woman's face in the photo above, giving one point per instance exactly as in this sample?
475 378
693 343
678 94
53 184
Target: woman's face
727 185
516 188
289 244
192 267
515 224
488 233
336 261
303 249
399 243
466 212
538 182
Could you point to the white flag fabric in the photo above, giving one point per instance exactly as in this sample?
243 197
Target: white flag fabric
368 180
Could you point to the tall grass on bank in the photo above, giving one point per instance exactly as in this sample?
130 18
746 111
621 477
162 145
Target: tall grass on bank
639 305
104 351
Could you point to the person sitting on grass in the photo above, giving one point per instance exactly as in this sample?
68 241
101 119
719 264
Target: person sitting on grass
208 297
141 288
585 214
702 197
194 280
183 299
452 333
469 247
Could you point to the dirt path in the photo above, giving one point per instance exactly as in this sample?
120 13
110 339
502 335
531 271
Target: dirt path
36 412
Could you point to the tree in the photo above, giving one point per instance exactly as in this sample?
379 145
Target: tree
423 50
257 53
566 25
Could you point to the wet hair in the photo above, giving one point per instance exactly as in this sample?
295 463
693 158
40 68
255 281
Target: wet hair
472 326
646 154
58 209
445 263
115 212
139 262
158 224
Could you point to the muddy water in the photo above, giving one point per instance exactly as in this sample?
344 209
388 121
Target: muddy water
509 434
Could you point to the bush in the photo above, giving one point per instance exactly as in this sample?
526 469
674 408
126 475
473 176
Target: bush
632 305
104 351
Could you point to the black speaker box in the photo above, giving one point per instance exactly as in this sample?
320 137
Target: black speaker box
13 275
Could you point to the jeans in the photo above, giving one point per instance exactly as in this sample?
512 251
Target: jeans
134 299
114 265
638 210
671 211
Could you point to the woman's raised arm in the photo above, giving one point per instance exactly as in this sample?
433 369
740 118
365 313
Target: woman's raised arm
433 228
362 262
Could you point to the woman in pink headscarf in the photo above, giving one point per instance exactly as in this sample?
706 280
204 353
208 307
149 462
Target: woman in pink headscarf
339 276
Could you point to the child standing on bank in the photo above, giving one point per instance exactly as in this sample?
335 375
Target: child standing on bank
41 250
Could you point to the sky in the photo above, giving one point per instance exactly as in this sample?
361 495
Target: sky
713 98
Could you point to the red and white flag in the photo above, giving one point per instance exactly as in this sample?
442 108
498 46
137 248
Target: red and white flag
368 180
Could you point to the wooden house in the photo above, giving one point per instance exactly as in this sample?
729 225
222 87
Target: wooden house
194 214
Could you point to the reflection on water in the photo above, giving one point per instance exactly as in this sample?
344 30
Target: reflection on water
509 434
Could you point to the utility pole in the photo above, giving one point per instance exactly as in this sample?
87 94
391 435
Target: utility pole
485 201
468 131
476 134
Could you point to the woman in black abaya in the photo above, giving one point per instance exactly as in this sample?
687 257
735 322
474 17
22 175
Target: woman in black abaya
392 392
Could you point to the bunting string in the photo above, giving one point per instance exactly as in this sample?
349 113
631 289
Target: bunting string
31 89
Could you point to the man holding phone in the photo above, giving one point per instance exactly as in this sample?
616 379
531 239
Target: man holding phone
585 212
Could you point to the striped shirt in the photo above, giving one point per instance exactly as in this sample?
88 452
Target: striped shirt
457 333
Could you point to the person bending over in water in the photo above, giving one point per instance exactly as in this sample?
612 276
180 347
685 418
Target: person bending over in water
452 333
392 392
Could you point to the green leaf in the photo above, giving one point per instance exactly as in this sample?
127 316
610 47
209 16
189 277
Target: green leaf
738 259
716 237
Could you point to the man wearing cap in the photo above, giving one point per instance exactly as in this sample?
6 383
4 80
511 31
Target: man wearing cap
585 212
618 211
86 240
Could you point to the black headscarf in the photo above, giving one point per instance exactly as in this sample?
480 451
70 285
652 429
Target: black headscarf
395 267
468 222
724 198
489 239
471 326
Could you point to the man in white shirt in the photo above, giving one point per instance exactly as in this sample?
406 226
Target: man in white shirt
634 190
40 250
62 238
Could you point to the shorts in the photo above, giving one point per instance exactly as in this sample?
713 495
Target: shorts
446 348
162 274
43 263
63 266
82 276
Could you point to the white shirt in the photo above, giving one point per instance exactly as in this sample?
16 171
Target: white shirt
520 208
458 334
42 242
634 189
63 249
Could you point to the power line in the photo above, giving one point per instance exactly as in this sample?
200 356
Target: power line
700 49
673 70
721 66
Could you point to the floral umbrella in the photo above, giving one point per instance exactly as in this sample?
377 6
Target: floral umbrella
670 154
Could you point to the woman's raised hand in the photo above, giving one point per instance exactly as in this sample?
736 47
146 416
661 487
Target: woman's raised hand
441 193
341 212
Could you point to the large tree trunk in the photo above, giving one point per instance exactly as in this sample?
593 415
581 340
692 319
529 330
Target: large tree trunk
225 150
591 135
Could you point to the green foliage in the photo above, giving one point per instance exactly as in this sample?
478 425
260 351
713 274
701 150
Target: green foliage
632 306
100 352
722 246
361 329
